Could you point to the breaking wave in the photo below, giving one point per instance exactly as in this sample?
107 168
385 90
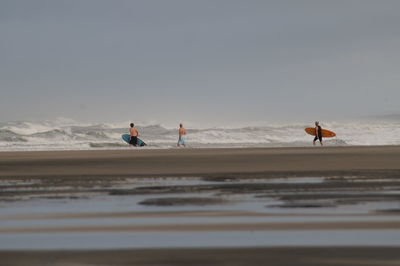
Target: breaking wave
71 135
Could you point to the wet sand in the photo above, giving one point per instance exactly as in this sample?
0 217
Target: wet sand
147 189
372 256
202 162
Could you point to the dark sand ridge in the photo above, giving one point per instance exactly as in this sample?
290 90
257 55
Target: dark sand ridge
380 161
217 227
74 187
293 256
172 214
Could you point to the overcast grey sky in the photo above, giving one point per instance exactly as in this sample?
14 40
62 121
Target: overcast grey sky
216 60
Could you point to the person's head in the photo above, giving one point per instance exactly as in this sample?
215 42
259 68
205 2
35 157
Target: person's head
180 125
132 124
316 123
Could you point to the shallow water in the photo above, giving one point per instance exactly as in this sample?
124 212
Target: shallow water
115 221
241 203
199 239
255 202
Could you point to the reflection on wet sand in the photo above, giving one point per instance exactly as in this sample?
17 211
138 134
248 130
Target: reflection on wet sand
356 209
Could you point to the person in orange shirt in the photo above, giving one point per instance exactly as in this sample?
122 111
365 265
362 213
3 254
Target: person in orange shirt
134 135
182 133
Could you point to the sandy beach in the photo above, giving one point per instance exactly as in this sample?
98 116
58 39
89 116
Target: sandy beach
254 204
201 162
237 257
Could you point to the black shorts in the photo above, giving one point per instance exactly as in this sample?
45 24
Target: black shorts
133 140
318 137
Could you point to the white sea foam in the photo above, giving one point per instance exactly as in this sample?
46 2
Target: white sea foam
64 134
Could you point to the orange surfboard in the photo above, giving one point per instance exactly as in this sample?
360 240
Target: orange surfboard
325 133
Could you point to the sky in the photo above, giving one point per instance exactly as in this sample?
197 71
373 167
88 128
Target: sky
220 61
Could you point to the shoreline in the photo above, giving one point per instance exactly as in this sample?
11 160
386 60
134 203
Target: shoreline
173 147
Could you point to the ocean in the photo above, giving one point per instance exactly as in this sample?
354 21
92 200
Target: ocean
64 134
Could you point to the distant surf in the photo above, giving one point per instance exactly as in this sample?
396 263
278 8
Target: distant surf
72 135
